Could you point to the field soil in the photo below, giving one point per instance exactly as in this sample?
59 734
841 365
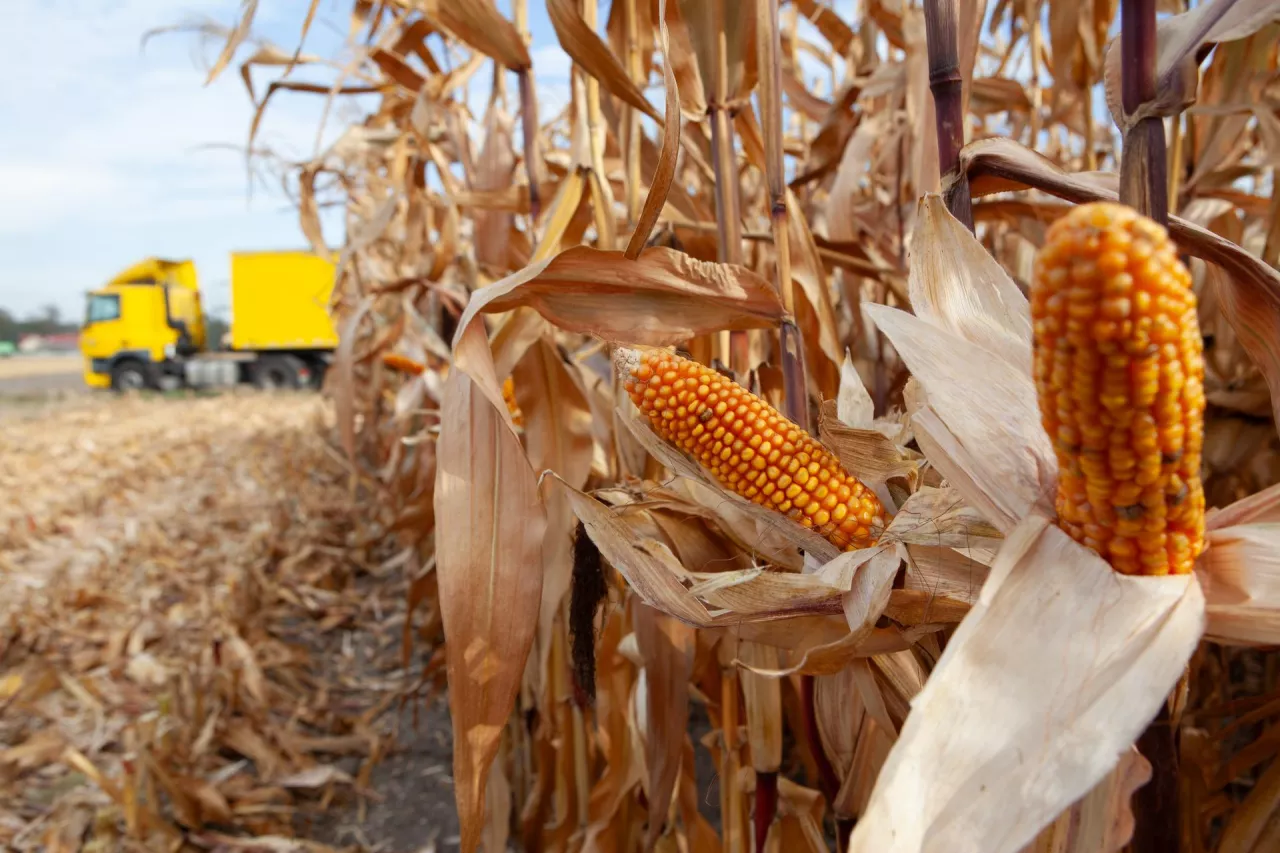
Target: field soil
40 376
201 637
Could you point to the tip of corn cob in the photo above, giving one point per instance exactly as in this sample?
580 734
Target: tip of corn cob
750 447
1119 375
403 363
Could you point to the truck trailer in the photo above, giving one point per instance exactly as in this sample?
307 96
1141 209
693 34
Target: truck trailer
145 327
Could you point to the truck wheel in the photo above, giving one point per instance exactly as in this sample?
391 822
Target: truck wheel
318 370
129 376
279 371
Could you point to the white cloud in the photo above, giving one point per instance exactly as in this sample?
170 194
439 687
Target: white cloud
551 62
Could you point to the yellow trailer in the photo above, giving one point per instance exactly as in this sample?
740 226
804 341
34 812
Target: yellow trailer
145 327
280 301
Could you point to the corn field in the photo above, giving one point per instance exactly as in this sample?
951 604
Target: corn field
756 413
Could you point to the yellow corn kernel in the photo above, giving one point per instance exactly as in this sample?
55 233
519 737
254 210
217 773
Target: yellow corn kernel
803 480
509 394
1122 397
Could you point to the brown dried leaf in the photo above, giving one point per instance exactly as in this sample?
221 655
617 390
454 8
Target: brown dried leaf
590 51
658 299
666 647
248 8
344 367
684 66
755 593
649 576
665 171
866 453
480 25
489 568
762 701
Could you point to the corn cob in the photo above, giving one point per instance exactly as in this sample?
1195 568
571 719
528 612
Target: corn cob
1119 372
402 363
750 447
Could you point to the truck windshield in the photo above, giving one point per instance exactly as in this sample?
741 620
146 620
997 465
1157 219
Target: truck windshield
103 307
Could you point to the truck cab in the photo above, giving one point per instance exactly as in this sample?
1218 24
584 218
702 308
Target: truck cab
138 323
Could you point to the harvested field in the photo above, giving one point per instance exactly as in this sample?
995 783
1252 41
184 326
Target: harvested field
40 376
197 630
38 365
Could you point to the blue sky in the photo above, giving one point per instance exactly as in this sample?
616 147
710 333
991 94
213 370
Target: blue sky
108 151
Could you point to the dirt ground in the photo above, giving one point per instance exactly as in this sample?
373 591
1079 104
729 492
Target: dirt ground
139 534
40 376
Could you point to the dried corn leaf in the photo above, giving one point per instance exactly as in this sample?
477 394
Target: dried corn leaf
660 298
480 25
1107 650
489 571
667 649
969 444
1241 578
590 51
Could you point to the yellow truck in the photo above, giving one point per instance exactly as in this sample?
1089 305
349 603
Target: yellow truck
145 327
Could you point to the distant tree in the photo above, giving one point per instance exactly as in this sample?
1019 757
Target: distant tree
214 329
46 321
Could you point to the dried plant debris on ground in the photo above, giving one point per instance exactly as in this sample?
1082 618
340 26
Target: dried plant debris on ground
200 637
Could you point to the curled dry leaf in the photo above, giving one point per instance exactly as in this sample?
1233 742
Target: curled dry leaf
236 37
941 518
590 51
870 589
1090 656
1240 572
665 170
867 451
854 406
978 301
660 298
756 593
480 25
970 443
651 578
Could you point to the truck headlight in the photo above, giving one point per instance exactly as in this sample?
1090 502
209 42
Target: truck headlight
170 351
